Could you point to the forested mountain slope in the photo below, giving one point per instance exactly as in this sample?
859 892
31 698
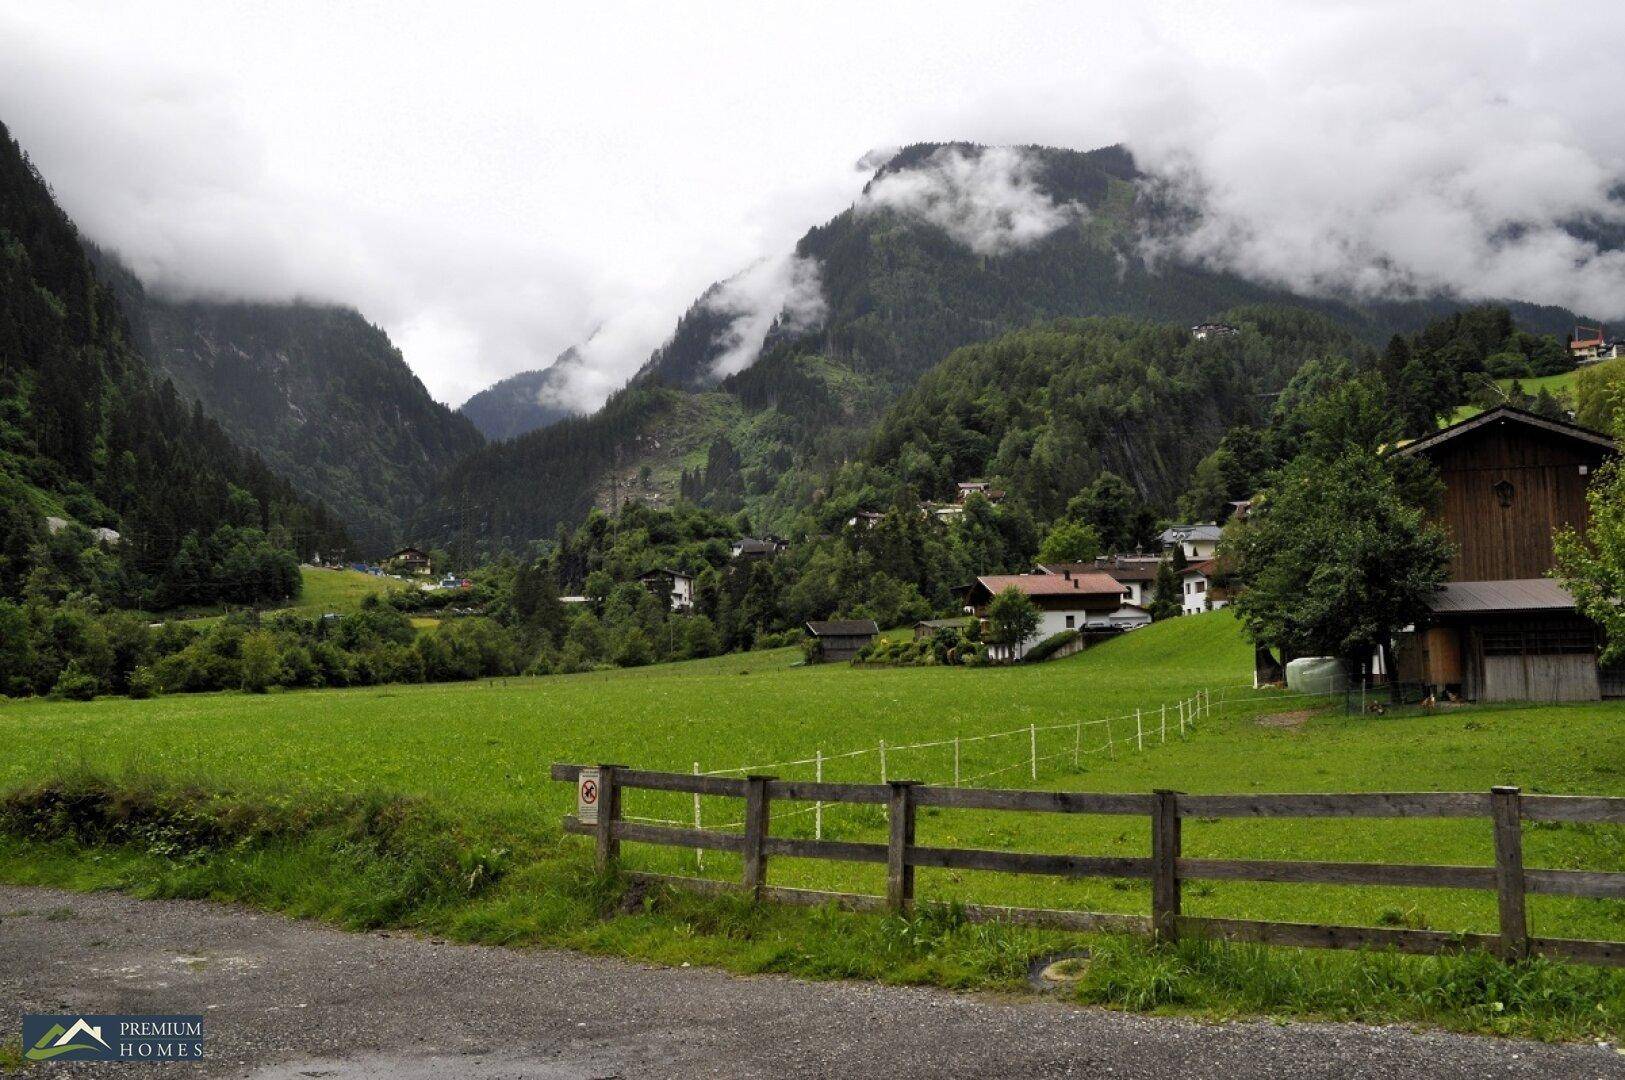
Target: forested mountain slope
901 285
88 435
517 404
318 391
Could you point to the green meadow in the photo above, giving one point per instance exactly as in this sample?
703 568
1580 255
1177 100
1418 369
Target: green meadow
431 807
321 591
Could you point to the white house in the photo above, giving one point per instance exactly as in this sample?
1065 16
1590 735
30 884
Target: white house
1065 601
1197 592
1199 541
673 586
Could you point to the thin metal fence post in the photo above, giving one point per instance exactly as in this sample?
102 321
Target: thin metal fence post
818 806
1139 732
882 761
1162 726
699 853
1032 736
1077 742
956 761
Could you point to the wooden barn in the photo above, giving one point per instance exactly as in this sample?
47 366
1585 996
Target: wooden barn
842 639
1502 629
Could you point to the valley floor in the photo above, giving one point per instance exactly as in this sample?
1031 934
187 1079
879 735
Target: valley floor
284 999
430 808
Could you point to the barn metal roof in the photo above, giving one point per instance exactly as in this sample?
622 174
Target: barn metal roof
1507 412
843 628
1501 597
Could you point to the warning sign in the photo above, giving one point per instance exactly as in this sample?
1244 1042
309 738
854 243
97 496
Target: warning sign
588 786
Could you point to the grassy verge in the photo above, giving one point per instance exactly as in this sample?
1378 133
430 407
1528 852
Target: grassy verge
382 861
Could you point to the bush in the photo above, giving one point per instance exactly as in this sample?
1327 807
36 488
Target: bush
1509 365
76 684
1049 646
142 684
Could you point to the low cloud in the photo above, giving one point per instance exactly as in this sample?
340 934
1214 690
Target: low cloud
988 200
784 293
1455 157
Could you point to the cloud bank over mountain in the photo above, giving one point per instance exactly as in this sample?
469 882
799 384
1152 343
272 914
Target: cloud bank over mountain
988 201
494 189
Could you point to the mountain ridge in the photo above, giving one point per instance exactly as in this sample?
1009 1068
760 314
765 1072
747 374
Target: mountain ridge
318 391
901 294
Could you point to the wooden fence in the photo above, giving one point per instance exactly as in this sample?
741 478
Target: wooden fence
1167 868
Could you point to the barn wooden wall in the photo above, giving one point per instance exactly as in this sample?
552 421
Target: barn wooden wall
1496 543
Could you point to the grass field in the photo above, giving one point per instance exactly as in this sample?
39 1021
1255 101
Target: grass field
321 591
1555 384
475 757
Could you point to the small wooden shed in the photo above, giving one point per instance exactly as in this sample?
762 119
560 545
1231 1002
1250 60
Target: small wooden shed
842 639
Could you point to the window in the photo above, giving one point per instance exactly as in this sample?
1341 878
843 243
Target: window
1200 585
1071 622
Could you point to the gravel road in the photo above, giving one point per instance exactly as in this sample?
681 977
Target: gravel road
292 1000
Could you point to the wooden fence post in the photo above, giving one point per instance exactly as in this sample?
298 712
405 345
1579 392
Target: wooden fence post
756 822
1032 735
1508 817
900 818
1164 874
609 812
1139 732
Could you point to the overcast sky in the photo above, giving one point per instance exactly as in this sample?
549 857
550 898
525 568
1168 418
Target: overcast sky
492 184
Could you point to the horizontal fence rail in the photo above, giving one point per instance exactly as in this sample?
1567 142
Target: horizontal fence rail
1505 808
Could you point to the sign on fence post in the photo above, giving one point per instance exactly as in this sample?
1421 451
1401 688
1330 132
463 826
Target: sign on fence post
605 795
589 783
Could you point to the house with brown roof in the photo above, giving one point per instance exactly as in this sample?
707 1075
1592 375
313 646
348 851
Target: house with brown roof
1200 589
1501 629
1086 601
410 560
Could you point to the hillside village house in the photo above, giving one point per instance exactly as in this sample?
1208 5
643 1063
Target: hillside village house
410 560
1197 591
1502 629
1136 573
1197 541
749 547
967 488
672 586
1065 601
842 639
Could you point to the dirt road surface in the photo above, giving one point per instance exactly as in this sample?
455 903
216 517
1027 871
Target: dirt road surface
291 1000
